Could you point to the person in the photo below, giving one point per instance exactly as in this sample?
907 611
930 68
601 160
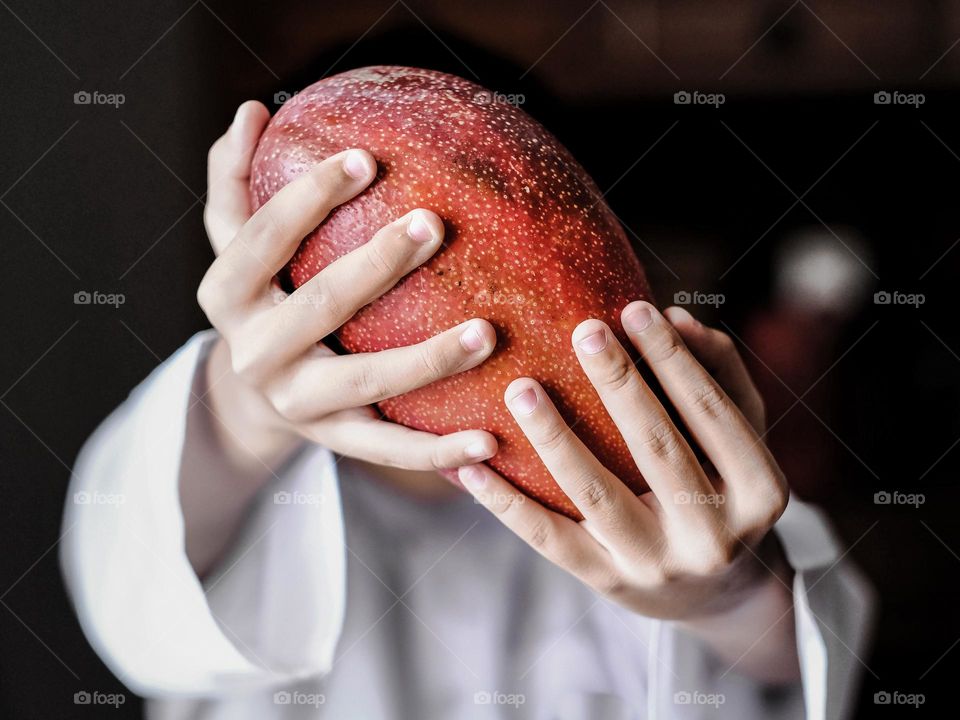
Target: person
246 537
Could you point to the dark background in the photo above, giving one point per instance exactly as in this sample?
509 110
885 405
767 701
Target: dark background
105 199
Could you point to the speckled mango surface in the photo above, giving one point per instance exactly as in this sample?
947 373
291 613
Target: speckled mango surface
530 246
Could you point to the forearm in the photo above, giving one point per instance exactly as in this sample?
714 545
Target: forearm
230 454
756 635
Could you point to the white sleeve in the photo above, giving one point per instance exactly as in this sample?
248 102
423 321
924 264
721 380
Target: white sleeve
270 614
834 611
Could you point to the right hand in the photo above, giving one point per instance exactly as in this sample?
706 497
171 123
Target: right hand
271 381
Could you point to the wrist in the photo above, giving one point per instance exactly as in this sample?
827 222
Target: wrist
245 430
753 627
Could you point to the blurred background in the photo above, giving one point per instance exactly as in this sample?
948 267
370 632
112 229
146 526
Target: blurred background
787 170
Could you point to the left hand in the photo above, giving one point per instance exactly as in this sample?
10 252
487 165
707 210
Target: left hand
692 548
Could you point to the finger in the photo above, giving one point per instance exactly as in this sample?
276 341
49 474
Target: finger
558 538
658 448
601 497
368 438
326 383
336 293
268 240
717 353
715 422
228 174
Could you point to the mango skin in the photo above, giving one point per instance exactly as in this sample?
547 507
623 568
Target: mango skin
530 246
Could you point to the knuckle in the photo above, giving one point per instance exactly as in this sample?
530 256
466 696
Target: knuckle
378 259
662 439
216 293
216 149
772 505
540 534
208 295
208 219
593 492
715 559
438 457
757 409
607 582
319 293
663 573
369 384
709 400
620 373
668 347
553 437
725 344
433 362
264 226
326 179
282 394
245 362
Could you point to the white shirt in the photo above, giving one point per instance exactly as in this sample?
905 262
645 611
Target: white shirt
343 598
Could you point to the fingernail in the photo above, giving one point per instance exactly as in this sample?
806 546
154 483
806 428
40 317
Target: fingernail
355 165
471 339
689 316
477 449
637 319
526 402
472 477
593 343
419 229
